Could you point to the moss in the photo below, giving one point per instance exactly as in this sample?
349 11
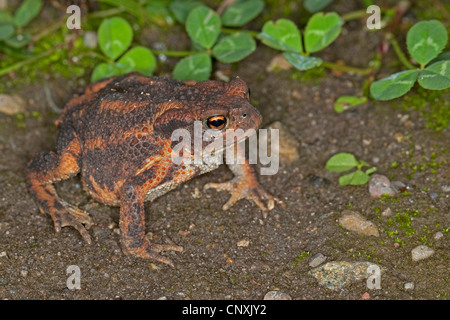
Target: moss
433 106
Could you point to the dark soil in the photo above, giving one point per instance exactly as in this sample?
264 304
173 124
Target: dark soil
212 266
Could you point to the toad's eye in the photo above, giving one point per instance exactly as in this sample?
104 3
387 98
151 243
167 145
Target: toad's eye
216 122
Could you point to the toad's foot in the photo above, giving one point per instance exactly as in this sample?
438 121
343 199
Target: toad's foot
64 214
149 250
245 188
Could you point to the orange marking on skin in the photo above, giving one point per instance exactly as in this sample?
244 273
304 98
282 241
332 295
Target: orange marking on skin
97 142
148 164
95 87
121 106
164 107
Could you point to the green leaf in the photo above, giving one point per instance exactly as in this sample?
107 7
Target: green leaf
234 47
281 35
196 67
357 177
130 6
436 76
441 56
425 40
321 30
241 12
18 40
315 5
6 31
302 62
181 9
341 162
6 18
27 11
394 86
159 13
138 59
203 26
345 102
371 170
114 36
104 70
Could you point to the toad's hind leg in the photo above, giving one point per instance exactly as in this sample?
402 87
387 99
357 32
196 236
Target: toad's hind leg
47 168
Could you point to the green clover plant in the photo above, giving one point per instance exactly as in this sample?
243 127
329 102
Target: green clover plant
11 25
342 162
425 41
114 37
320 31
204 27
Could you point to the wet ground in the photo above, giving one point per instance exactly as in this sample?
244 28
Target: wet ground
235 254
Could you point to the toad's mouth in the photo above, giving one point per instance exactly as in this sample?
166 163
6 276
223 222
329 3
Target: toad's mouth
211 148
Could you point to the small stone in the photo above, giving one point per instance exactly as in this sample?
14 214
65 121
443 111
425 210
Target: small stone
278 62
355 222
11 104
433 195
23 273
438 236
316 260
387 212
365 296
421 252
277 295
287 146
2 254
445 188
162 298
409 286
380 185
336 275
90 39
243 243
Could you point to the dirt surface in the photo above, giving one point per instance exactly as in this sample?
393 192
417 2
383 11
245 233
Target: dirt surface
235 254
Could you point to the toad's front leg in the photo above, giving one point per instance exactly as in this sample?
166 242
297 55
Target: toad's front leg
132 227
244 185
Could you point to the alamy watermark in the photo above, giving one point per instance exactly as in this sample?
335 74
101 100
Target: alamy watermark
220 145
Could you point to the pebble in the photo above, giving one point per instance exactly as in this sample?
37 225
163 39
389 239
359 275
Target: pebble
243 243
316 260
387 212
11 104
445 188
438 236
433 195
365 296
277 295
355 222
336 275
287 146
278 62
409 286
380 185
90 39
421 252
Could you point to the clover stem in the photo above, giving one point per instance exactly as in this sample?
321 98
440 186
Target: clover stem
175 54
345 68
231 31
398 51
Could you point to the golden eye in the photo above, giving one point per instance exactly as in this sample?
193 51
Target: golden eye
216 122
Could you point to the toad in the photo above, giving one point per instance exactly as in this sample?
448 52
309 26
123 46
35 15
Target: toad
118 136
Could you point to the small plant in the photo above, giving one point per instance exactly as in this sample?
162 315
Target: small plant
11 26
425 41
320 31
342 162
114 37
204 27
